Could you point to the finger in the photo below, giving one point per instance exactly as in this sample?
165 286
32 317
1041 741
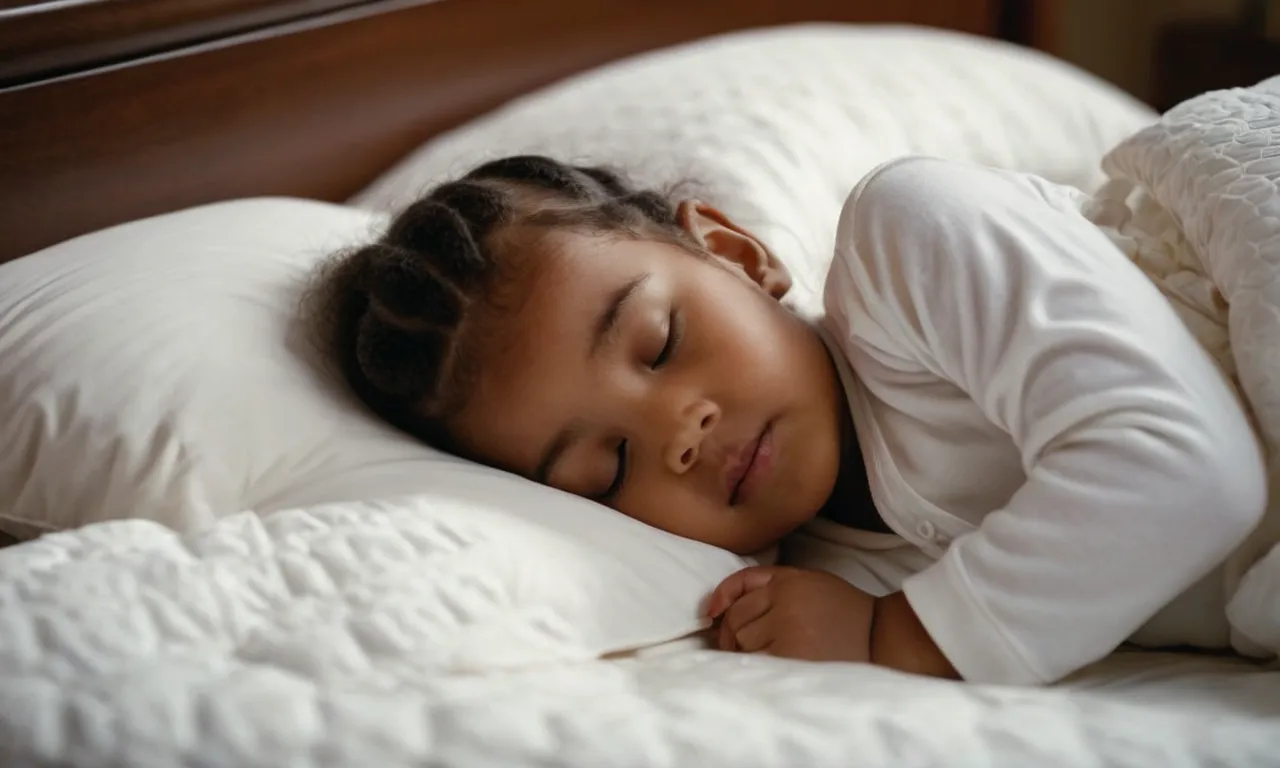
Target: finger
725 640
736 586
756 636
747 609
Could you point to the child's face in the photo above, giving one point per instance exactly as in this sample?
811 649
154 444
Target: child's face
650 379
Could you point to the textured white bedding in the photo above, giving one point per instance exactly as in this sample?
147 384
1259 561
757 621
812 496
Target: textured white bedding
351 634
411 633
1195 201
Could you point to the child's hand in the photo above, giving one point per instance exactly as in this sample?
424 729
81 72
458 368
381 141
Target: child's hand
793 613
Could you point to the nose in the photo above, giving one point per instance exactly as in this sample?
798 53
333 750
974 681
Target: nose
693 425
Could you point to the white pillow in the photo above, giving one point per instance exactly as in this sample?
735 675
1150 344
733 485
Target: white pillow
777 126
158 370
155 370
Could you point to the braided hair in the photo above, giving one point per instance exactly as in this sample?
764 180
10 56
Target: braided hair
400 315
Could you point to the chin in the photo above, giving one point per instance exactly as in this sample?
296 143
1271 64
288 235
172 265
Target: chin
770 538
795 501
799 522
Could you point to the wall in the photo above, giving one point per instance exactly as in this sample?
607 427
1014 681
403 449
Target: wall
1115 39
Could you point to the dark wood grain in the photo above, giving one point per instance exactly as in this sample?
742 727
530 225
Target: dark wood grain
1034 23
40 39
318 107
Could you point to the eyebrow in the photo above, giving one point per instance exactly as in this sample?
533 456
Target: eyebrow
607 323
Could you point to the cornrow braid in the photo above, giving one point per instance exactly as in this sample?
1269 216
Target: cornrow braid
398 313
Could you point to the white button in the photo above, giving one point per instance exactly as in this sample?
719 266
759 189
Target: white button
926 530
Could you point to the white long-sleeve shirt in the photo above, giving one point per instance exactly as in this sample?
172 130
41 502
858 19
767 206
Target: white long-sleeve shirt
1059 456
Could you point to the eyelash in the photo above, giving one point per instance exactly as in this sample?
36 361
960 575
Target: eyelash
675 330
619 477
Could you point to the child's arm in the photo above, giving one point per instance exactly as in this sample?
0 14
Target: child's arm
1142 472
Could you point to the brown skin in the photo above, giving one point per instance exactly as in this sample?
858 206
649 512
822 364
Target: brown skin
815 616
702 361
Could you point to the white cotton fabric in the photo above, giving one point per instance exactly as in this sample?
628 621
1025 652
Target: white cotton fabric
1195 201
1035 417
390 634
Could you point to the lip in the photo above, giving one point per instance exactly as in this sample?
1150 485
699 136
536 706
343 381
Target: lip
752 467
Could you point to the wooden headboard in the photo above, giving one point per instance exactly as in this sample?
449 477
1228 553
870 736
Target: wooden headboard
111 111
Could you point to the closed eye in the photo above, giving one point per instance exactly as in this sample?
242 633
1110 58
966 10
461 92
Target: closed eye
675 330
619 477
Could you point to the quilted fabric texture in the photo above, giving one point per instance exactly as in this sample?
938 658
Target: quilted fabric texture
349 635
1213 163
777 126
1197 196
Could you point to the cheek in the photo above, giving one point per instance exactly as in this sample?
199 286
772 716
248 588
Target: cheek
749 341
675 508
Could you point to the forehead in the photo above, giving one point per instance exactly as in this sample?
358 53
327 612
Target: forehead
533 366
560 298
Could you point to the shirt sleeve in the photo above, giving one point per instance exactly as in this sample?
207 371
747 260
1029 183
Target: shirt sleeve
1142 471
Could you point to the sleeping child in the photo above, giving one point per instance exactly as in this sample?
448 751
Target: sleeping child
999 421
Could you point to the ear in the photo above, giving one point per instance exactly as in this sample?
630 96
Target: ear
725 240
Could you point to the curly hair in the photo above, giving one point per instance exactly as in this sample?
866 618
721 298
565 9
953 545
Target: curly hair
401 316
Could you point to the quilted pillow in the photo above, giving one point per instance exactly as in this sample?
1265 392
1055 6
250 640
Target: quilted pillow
776 126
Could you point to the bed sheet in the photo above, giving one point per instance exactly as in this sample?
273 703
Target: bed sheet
302 638
682 707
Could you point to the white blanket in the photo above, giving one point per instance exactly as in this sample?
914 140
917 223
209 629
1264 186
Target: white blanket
362 634
1195 201
343 635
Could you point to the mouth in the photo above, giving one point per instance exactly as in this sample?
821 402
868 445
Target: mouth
752 467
